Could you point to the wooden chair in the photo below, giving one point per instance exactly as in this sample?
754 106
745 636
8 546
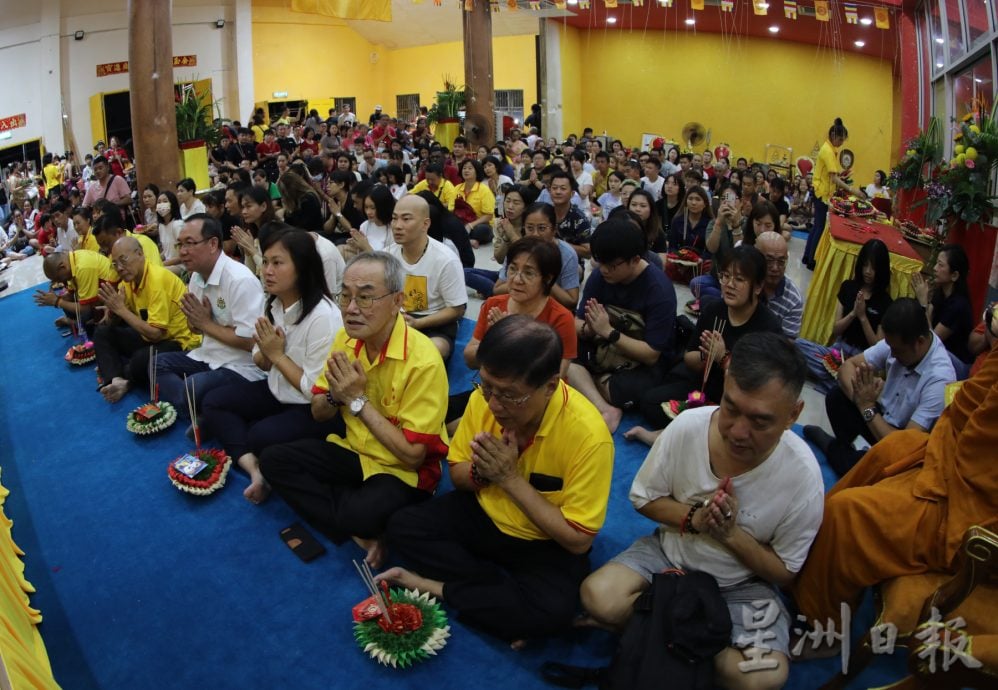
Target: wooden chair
908 603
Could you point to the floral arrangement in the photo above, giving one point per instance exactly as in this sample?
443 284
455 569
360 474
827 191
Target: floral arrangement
450 102
673 408
208 480
920 160
151 418
415 628
968 177
81 354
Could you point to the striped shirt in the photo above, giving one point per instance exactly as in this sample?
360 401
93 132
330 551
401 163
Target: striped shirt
788 306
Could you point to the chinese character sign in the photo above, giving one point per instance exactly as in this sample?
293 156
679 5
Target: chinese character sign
13 122
121 67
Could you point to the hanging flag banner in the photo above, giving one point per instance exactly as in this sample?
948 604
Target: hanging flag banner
883 17
583 4
637 3
494 5
790 9
821 10
535 4
760 7
610 4
852 14
469 5
696 4
727 5
560 4
666 3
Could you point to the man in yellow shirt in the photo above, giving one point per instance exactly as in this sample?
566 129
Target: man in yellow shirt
441 187
390 385
82 272
108 230
144 313
52 172
531 463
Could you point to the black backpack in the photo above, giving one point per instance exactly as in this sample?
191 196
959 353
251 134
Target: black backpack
678 626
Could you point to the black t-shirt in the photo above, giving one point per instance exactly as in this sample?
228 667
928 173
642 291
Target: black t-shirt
954 312
782 207
228 222
875 308
237 153
716 311
308 215
287 144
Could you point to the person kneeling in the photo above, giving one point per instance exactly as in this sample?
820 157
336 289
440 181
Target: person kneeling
393 385
709 481
531 462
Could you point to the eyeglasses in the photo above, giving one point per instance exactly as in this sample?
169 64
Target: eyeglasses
180 246
613 266
504 399
544 227
773 261
362 301
122 261
526 275
731 278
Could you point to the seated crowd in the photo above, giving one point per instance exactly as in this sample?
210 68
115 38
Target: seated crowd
312 298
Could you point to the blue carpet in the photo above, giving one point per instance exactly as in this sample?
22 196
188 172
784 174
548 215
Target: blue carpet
142 586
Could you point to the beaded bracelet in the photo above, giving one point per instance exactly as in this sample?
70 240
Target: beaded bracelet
687 526
476 478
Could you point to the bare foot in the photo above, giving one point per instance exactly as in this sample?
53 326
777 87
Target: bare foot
63 322
409 580
258 490
612 416
376 551
115 391
474 244
639 433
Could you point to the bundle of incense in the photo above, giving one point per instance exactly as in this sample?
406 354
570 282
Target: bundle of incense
364 570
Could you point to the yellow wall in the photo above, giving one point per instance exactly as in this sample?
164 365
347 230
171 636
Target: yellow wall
314 57
749 92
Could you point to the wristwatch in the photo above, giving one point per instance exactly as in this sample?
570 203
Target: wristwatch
869 413
357 404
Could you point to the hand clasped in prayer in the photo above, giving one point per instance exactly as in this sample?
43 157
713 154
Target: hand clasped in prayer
198 312
346 380
866 387
495 458
270 340
113 299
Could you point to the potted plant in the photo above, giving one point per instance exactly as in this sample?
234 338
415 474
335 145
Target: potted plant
445 113
196 131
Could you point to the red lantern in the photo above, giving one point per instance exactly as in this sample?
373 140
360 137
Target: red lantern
722 151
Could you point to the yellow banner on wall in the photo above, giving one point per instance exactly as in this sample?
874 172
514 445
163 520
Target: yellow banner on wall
696 4
378 10
821 10
883 17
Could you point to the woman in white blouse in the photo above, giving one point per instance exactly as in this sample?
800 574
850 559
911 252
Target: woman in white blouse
293 338
189 203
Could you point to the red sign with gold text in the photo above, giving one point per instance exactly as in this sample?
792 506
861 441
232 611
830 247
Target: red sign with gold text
13 122
110 68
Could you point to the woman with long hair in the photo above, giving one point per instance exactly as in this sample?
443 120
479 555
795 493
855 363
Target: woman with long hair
673 193
948 310
509 229
292 342
826 183
302 208
375 233
689 227
642 204
343 215
721 324
495 180
256 211
862 301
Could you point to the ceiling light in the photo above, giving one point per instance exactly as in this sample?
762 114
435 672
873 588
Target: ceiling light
859 44
573 2
939 65
691 21
611 20
774 29
978 80
939 40
865 21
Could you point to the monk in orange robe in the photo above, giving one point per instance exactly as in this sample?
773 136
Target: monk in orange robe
904 508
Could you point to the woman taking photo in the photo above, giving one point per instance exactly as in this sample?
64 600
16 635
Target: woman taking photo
302 208
948 310
862 301
720 325
292 342
343 215
478 201
509 229
495 179
826 183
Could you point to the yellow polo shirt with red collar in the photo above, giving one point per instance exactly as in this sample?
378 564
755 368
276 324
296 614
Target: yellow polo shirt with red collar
89 242
446 192
569 461
89 269
149 248
158 294
828 163
407 384
479 198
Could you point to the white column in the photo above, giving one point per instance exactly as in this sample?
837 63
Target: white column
50 77
244 61
551 83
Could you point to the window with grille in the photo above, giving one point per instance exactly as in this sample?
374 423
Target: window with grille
407 107
340 101
510 102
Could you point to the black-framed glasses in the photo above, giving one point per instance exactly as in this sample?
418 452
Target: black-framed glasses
362 301
179 246
505 399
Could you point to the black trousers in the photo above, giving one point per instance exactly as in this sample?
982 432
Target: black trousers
246 418
122 352
323 483
677 385
512 588
847 423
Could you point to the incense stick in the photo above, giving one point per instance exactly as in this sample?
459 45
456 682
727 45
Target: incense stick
192 410
376 594
719 329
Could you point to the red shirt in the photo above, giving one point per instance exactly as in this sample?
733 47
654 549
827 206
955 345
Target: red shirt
554 314
312 146
265 149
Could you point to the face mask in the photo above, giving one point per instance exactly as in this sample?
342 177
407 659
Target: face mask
162 209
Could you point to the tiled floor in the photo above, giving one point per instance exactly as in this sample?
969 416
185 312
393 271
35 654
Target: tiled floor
28 273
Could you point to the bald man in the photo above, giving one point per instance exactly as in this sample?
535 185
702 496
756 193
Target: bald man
108 230
143 313
82 272
434 291
782 296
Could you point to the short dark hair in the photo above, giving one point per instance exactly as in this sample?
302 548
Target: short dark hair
777 184
618 239
479 170
760 357
560 174
905 318
502 347
210 228
109 222
189 184
545 255
749 260
459 140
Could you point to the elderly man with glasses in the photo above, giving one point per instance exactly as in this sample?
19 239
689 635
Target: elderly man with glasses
143 314
782 296
531 464
389 384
